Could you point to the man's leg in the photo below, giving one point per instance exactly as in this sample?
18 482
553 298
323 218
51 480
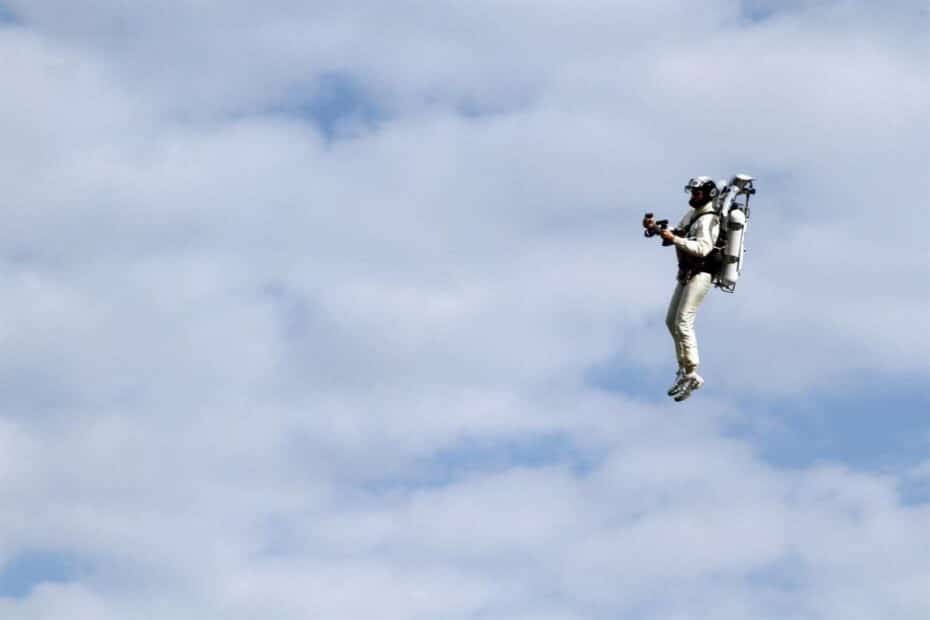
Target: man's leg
671 322
691 297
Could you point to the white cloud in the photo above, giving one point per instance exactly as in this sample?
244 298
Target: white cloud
237 355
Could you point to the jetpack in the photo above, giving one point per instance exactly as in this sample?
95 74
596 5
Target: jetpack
732 206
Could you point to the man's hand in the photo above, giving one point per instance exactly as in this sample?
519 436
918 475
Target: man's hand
666 235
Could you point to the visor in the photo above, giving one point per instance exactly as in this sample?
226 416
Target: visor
697 183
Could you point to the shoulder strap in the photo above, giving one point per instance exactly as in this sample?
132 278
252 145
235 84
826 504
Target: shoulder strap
694 220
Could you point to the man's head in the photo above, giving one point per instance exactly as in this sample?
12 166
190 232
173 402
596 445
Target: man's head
702 190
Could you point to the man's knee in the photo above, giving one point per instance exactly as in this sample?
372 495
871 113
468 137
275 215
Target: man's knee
684 321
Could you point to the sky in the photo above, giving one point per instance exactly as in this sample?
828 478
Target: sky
342 310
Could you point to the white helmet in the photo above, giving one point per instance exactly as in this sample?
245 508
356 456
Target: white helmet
705 183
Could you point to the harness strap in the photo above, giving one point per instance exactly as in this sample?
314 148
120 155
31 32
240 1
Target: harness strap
689 265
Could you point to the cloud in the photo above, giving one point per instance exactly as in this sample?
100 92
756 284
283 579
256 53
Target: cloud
342 311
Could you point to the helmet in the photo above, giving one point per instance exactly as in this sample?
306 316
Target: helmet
705 183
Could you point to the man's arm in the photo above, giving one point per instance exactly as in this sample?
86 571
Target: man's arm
703 241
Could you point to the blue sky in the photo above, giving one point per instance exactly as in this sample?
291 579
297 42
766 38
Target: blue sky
27 568
342 310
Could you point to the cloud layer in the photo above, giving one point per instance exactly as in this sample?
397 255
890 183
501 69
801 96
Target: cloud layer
342 311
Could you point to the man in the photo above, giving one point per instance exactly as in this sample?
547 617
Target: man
694 240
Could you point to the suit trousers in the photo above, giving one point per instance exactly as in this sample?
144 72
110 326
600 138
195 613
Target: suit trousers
682 310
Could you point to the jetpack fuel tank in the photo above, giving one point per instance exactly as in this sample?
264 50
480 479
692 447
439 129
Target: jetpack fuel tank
734 217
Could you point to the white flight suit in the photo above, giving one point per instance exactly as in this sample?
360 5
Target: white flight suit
698 240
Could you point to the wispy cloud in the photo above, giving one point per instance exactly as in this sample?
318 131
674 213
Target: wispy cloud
342 311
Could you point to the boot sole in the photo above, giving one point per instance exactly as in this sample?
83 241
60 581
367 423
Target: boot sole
688 392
